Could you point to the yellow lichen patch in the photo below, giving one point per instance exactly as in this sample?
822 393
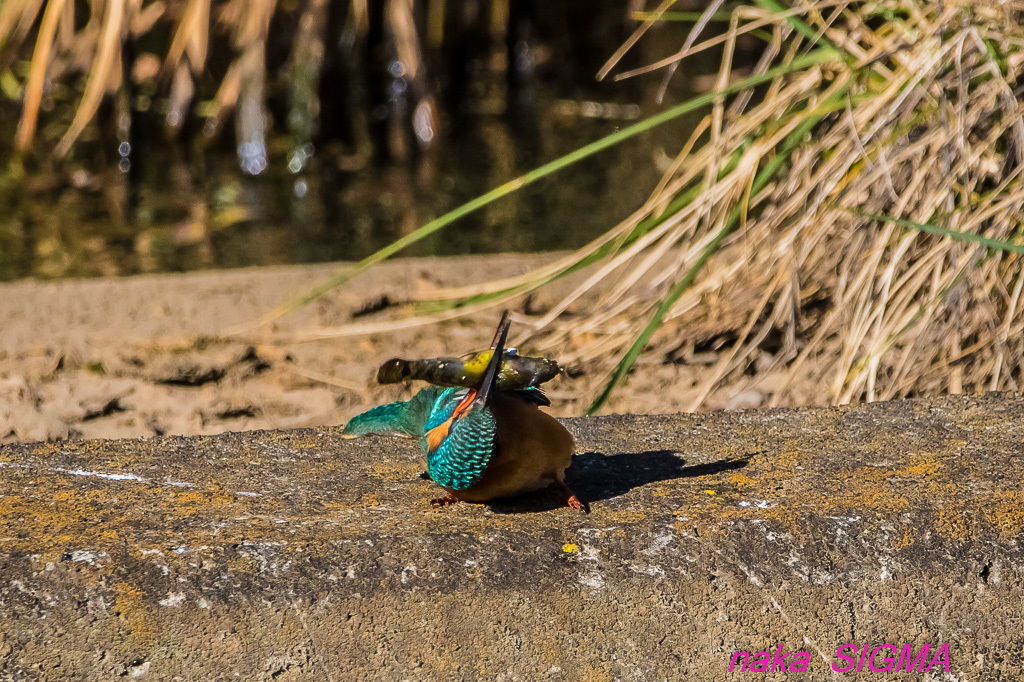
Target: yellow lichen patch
390 471
926 473
786 459
61 519
952 523
905 541
853 496
1006 514
741 481
12 506
306 442
130 607
924 465
710 492
983 421
682 527
550 652
628 515
789 517
595 674
570 548
189 502
120 463
864 498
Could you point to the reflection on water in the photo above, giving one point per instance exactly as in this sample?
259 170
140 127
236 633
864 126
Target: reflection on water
380 165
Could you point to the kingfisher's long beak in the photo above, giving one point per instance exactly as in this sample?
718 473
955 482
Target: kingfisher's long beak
502 329
494 365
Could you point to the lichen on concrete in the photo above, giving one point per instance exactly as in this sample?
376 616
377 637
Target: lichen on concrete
300 555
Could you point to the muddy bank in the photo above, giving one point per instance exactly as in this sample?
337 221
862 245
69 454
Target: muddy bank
147 355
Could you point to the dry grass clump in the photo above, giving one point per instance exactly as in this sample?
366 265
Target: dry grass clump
858 213
917 119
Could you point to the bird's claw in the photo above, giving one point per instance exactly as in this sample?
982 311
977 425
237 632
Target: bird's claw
570 497
445 501
575 503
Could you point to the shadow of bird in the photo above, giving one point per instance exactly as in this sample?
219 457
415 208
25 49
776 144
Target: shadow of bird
596 476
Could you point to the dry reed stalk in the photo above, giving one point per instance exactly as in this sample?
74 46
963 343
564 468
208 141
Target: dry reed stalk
16 19
191 37
103 77
634 39
37 74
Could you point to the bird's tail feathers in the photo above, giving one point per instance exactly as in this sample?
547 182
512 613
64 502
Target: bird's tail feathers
383 419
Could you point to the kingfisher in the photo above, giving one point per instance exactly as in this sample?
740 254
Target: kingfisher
483 442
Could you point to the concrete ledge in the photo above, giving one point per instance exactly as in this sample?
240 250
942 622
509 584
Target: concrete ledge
299 555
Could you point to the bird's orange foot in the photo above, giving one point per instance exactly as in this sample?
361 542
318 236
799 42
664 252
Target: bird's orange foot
444 501
570 497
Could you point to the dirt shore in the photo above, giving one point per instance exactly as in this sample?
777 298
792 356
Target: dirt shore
146 355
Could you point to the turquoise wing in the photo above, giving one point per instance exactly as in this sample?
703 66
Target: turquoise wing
461 459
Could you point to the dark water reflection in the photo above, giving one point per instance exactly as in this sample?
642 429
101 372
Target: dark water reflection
183 206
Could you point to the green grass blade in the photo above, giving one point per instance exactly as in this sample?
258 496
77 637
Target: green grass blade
967 237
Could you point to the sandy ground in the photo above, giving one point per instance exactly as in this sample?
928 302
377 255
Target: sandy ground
145 355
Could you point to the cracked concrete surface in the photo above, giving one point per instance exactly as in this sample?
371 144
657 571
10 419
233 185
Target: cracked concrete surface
299 555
